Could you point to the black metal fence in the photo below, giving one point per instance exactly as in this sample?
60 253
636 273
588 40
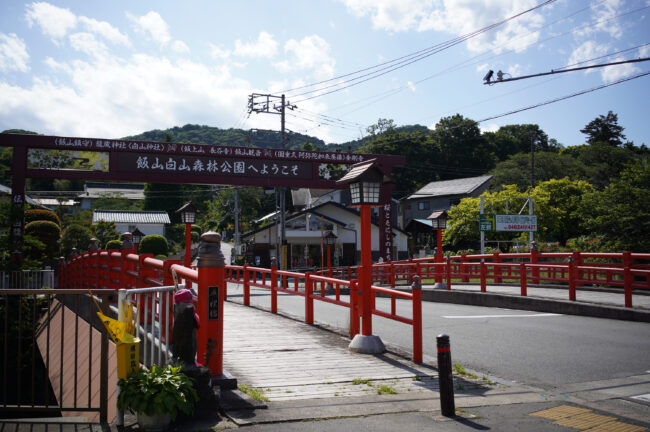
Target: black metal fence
53 353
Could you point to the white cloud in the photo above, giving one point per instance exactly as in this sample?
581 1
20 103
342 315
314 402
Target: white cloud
481 68
515 70
493 127
135 94
13 53
644 51
587 50
265 46
153 25
57 66
105 30
54 21
218 53
456 17
88 44
411 85
613 73
180 47
391 15
603 14
312 52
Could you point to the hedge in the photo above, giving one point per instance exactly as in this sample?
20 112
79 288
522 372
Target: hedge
114 245
48 232
41 215
154 244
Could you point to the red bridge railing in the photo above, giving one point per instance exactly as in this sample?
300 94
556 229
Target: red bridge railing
124 269
626 270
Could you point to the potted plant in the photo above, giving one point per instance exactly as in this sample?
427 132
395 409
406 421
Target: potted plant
157 395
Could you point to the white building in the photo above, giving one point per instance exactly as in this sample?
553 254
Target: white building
148 222
305 231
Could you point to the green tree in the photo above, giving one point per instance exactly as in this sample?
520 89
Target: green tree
548 165
604 129
420 152
166 197
557 205
382 126
621 212
513 139
603 163
75 236
463 230
462 148
104 232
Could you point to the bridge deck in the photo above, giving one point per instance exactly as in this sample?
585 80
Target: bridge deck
288 359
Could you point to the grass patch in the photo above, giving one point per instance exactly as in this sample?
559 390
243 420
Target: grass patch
460 386
254 392
487 380
417 378
460 370
384 389
358 381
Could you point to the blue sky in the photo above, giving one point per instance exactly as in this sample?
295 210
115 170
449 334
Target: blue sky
116 68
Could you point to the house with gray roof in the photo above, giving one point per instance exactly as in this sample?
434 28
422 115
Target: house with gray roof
440 195
148 222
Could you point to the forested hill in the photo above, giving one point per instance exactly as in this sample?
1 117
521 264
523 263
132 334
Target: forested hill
197 134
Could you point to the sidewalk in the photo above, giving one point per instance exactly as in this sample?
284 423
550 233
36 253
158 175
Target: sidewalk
313 383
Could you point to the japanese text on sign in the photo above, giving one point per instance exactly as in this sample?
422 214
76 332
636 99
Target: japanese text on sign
213 303
211 165
496 222
205 150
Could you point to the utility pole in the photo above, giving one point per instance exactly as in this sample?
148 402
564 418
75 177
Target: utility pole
532 162
267 104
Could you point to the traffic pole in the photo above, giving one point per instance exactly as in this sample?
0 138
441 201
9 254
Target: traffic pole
445 376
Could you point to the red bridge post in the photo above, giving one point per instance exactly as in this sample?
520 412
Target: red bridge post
212 290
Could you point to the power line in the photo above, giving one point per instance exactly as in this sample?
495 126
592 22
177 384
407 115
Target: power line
572 95
476 59
404 61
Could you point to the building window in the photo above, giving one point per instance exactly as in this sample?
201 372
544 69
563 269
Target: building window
423 205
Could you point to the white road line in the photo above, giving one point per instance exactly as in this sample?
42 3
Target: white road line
499 316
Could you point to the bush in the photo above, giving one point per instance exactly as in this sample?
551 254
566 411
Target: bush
41 215
154 244
75 236
47 232
196 229
114 245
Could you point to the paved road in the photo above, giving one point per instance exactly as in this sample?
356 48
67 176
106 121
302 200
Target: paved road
544 350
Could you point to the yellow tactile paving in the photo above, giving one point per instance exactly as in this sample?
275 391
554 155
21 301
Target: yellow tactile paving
617 427
585 421
560 412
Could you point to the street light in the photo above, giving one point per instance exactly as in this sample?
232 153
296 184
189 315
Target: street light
365 180
188 217
330 240
137 238
438 222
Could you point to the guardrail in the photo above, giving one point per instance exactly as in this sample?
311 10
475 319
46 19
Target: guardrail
27 279
626 270
312 287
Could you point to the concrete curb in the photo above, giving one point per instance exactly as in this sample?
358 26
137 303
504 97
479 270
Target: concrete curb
535 304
